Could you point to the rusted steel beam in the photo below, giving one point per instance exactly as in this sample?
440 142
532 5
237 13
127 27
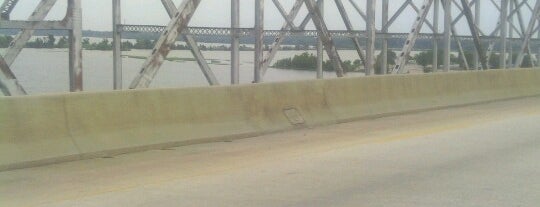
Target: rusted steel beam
194 48
163 46
284 14
74 14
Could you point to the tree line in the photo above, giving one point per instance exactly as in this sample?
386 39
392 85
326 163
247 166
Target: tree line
425 59
308 61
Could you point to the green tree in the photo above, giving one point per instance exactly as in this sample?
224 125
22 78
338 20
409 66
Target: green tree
494 61
527 61
37 43
50 41
86 43
143 44
62 43
425 58
103 45
308 61
5 41
391 61
127 46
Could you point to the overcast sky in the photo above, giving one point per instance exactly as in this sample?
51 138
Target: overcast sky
97 14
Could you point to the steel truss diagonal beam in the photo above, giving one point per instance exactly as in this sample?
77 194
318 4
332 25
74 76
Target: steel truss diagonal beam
460 15
325 36
6 8
371 32
192 44
8 82
402 8
476 37
71 22
411 39
22 38
357 8
163 46
348 25
281 37
528 34
522 27
284 14
398 12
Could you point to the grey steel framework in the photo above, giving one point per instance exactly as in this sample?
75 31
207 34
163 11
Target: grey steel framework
508 31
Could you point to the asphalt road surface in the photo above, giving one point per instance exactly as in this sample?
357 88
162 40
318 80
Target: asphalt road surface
481 155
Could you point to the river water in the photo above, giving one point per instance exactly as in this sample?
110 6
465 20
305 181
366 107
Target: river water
46 70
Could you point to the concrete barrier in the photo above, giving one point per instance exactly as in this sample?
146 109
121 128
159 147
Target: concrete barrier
39 130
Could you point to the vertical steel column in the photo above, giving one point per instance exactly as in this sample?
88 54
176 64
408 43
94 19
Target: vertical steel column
384 51
510 60
504 33
117 45
235 42
436 10
447 33
259 40
320 47
370 27
477 12
75 46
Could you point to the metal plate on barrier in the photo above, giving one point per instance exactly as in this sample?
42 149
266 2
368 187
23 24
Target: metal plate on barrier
294 116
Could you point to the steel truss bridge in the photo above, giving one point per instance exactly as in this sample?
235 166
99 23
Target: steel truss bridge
517 23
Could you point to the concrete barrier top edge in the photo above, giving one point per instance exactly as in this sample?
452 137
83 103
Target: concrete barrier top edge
145 90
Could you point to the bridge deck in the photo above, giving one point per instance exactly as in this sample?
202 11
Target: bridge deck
481 155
